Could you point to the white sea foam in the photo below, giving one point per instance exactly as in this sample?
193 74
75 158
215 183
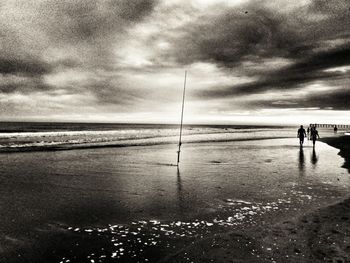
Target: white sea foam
128 137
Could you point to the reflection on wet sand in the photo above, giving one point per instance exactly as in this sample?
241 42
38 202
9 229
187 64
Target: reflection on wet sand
181 200
314 158
301 161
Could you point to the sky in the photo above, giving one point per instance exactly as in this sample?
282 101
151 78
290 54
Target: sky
247 61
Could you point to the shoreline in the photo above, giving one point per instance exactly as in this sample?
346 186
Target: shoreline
322 235
121 144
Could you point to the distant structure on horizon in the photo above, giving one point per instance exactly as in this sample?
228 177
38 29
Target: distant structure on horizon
339 126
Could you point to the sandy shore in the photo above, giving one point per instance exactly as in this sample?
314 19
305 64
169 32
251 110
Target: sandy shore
251 201
322 235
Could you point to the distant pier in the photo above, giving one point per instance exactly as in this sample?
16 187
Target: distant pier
339 126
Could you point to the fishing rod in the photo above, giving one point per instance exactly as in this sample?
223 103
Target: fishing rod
182 116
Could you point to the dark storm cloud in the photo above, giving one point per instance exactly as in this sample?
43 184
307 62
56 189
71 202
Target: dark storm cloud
304 71
257 31
30 67
229 37
312 39
331 100
25 85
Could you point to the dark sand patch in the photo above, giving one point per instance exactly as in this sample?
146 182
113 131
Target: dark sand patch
343 144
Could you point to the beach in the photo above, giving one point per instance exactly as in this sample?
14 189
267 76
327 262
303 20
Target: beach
147 131
233 199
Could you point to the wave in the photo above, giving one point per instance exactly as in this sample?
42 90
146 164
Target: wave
145 141
125 132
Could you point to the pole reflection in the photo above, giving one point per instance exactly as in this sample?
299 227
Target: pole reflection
181 201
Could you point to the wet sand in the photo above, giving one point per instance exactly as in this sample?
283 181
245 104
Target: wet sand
321 235
254 201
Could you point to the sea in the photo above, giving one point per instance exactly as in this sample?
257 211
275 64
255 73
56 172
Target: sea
44 136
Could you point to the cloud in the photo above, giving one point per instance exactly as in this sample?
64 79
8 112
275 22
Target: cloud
80 31
254 31
18 66
231 36
290 77
327 100
130 55
45 38
280 49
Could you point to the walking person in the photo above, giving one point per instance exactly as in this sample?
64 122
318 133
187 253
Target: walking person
314 135
301 135
308 133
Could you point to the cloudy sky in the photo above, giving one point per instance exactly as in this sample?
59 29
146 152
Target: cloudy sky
248 61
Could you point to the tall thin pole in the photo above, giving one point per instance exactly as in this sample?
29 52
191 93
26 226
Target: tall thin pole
182 117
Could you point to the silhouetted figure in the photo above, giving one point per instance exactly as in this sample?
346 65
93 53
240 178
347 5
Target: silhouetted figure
314 135
335 128
308 133
301 135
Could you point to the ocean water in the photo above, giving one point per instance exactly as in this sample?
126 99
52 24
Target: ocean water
60 136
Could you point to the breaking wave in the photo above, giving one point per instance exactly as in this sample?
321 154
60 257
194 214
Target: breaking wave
66 140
